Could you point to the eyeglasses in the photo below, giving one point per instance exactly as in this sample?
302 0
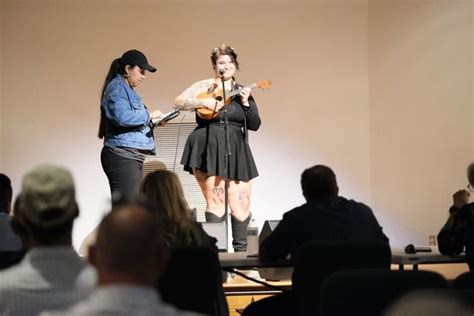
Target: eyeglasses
470 187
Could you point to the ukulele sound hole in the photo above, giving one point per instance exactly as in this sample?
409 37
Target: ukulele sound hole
218 98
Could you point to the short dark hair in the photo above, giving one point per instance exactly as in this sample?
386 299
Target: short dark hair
318 181
51 235
6 192
470 173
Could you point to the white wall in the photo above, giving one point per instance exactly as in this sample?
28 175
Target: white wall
420 79
330 102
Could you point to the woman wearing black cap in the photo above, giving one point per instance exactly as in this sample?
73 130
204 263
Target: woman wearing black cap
205 147
125 124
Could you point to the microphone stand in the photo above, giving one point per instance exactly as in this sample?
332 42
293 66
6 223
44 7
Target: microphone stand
227 154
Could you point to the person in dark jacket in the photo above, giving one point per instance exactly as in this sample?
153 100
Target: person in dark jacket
179 231
457 234
9 241
325 216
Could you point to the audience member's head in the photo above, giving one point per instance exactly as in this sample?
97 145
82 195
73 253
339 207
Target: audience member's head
47 207
163 188
129 247
433 303
470 173
318 182
6 193
19 229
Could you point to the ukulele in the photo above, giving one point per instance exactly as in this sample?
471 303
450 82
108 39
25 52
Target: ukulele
208 114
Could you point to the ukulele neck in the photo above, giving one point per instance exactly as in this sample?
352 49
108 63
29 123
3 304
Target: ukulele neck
230 94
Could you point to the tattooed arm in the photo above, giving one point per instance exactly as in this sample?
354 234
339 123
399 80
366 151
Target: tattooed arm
188 99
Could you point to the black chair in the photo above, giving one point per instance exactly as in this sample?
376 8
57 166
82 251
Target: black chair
369 292
316 260
10 258
193 281
312 263
433 302
464 281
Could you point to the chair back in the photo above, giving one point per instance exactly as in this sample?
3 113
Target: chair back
193 281
317 259
464 281
370 291
433 302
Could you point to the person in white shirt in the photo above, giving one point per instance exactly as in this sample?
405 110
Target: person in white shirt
129 255
51 275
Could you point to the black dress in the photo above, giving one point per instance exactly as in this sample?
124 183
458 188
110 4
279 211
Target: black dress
205 146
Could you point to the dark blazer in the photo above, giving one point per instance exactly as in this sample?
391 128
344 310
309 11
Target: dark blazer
333 218
457 233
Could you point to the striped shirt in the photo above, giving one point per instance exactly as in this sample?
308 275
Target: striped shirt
122 300
48 278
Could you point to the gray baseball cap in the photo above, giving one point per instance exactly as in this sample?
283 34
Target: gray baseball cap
48 196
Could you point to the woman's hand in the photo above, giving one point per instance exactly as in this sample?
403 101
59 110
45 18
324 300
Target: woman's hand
244 96
155 114
461 198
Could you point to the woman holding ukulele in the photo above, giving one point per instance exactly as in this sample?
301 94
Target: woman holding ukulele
204 152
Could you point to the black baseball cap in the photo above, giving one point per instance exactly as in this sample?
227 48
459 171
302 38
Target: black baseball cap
136 57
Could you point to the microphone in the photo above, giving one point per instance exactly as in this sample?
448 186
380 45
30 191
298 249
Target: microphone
412 249
221 71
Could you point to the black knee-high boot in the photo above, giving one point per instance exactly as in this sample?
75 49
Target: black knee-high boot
213 218
239 233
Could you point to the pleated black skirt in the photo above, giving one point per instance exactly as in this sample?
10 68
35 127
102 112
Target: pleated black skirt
205 150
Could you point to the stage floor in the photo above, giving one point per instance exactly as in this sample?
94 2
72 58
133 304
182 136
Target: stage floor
240 292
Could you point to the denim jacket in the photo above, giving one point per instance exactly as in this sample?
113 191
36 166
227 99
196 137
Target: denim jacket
127 118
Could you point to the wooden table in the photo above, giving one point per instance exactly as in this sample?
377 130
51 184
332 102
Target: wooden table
240 260
400 258
238 263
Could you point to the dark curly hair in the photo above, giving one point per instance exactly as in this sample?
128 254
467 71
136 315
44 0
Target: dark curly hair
224 50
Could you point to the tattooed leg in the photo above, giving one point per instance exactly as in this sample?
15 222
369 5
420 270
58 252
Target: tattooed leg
239 198
212 188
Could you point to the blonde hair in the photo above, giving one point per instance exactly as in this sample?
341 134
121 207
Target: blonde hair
163 188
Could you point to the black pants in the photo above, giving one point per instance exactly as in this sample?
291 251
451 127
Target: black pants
124 174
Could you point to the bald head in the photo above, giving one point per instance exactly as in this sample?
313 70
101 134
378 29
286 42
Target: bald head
129 243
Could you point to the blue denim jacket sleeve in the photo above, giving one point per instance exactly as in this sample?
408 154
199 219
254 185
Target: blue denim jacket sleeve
124 106
127 118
